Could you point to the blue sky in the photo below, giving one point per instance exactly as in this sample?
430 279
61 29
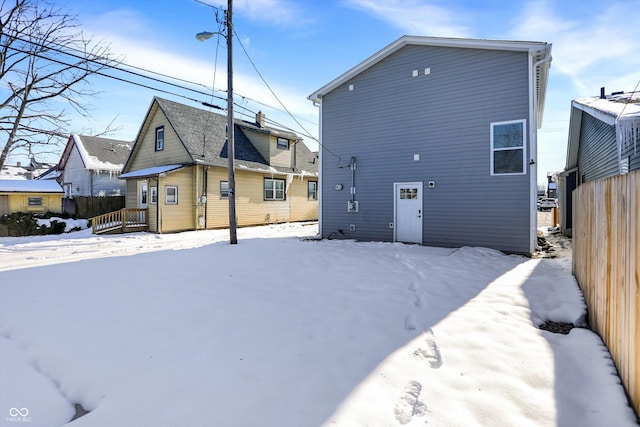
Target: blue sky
300 45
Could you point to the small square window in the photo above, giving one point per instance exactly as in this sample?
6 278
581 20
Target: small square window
312 190
171 195
283 143
160 138
224 189
35 201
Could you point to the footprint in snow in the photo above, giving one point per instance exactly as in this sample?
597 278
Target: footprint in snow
430 351
410 323
409 406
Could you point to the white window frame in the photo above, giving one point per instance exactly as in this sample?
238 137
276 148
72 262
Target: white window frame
224 193
170 199
523 147
275 190
153 195
160 138
315 190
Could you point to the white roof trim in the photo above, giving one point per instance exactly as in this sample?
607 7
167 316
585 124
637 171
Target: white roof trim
605 117
518 46
152 171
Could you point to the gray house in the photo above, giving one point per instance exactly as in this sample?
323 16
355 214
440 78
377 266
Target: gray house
434 141
90 166
604 141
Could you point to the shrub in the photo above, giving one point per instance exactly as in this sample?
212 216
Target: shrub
19 224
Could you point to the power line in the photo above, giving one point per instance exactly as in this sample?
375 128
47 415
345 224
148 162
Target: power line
267 84
104 62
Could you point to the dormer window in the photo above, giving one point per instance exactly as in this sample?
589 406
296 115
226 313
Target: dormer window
283 143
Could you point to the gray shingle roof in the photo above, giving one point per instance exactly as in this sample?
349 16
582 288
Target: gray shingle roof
107 150
203 133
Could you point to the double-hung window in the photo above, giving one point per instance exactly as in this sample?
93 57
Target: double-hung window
160 138
224 189
312 190
171 195
508 148
273 189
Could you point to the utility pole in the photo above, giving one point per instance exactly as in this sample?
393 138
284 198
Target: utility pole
205 35
233 239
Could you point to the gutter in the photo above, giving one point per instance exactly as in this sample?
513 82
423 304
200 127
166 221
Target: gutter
534 123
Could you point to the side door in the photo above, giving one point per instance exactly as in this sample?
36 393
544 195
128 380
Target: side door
408 212
143 202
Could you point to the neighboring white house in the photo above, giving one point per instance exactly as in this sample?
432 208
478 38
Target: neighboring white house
90 166
34 170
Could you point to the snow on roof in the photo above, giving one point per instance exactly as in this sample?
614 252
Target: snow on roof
93 162
623 106
14 172
621 110
29 186
156 170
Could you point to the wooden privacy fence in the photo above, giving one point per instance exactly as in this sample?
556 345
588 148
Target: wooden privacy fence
606 247
122 221
87 207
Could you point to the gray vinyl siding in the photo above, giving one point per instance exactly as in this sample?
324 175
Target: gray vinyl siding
445 117
598 153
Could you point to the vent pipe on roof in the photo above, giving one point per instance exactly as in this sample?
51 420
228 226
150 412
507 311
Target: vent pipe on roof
602 93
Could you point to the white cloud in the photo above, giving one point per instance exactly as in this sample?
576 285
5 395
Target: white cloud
201 71
601 49
415 17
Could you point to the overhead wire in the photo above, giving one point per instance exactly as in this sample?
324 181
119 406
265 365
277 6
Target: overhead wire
103 61
267 84
106 63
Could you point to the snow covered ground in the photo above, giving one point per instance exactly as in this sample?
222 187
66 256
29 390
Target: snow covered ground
278 330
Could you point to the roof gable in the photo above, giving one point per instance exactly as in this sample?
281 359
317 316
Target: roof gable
96 153
621 111
203 135
540 51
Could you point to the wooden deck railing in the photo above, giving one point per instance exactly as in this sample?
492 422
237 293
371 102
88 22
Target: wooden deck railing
123 221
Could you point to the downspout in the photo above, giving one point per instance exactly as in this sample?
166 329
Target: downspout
157 204
320 156
533 148
205 192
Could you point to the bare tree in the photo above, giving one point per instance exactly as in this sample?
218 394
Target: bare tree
45 62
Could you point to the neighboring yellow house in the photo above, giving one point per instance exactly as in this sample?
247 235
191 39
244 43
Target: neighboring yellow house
30 195
178 171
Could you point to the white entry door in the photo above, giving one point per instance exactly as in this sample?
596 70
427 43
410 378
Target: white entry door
408 212
142 194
